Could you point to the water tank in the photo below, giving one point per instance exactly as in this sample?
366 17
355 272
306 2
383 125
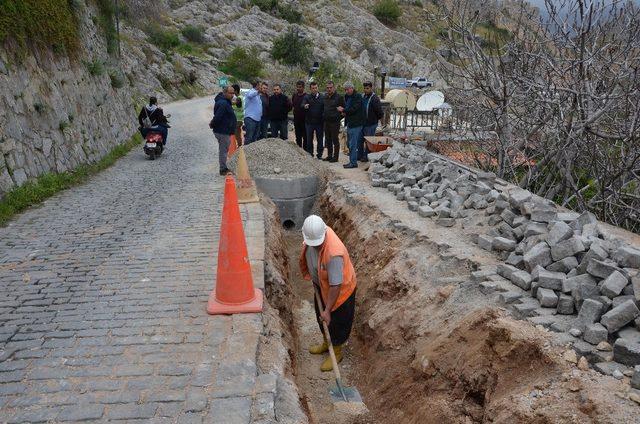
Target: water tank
401 99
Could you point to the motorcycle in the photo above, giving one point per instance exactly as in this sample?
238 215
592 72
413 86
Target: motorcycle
153 145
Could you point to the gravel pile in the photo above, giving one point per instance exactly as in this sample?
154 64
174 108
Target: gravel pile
273 156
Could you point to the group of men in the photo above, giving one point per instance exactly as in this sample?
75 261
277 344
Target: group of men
315 116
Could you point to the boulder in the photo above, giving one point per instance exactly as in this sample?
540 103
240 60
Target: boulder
540 254
504 244
627 256
567 248
547 298
601 269
565 305
612 286
595 333
548 279
572 282
620 316
564 265
626 352
521 279
590 313
426 211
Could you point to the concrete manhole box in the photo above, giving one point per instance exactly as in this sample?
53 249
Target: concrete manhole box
294 195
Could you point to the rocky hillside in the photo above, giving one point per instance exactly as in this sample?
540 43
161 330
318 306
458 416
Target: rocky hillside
64 106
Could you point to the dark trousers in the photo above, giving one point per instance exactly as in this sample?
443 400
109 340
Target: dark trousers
318 130
301 133
363 150
279 128
264 128
252 130
341 319
332 139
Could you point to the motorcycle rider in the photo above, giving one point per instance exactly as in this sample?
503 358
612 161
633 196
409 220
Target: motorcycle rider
153 119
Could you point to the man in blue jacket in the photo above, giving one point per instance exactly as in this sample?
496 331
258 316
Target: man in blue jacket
224 125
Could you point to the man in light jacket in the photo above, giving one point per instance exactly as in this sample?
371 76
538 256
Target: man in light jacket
252 113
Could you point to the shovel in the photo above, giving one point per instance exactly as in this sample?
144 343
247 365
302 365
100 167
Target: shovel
339 392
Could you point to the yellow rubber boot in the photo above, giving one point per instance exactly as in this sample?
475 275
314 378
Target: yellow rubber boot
327 365
319 348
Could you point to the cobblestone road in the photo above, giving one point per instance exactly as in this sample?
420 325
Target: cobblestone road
103 294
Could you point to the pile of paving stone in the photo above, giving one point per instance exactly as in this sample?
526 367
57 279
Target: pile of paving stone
559 269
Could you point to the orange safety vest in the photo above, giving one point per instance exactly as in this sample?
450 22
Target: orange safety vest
331 247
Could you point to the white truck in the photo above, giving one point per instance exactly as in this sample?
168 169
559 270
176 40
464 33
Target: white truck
419 82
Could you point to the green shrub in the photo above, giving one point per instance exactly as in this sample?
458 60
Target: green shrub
289 13
95 67
44 23
192 33
117 79
107 21
265 5
387 11
291 49
164 39
243 64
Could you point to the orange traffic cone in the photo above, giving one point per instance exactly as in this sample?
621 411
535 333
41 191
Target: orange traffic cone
233 146
247 192
234 292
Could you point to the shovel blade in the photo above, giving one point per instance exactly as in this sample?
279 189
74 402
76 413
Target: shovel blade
351 393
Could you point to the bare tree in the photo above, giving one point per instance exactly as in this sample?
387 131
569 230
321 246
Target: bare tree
561 92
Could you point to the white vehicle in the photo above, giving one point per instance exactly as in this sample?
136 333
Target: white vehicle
419 82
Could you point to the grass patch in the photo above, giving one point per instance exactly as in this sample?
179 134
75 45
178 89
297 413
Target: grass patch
45 186
195 34
164 39
387 11
107 22
44 23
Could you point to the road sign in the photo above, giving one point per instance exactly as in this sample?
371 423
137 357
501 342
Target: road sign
395 82
223 82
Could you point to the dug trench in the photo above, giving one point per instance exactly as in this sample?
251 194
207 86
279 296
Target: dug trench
427 346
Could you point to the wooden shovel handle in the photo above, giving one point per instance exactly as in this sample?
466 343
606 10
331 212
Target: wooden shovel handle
334 362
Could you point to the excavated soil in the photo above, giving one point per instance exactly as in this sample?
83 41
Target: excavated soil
427 345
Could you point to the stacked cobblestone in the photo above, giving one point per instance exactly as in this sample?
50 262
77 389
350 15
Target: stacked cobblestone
559 271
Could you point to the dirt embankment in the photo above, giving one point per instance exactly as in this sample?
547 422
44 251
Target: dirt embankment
428 347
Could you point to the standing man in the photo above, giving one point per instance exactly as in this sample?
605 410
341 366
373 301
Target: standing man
264 122
224 125
278 113
314 106
239 111
325 261
252 113
353 112
299 114
332 117
372 113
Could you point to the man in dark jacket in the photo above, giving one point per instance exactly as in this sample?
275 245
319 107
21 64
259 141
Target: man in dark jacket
314 106
332 117
372 113
224 125
298 114
278 111
264 122
354 119
157 121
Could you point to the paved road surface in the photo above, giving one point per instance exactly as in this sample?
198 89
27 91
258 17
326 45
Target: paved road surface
103 292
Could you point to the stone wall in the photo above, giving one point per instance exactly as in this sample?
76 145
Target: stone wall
56 115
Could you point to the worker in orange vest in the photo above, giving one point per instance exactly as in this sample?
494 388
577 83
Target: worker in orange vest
325 261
